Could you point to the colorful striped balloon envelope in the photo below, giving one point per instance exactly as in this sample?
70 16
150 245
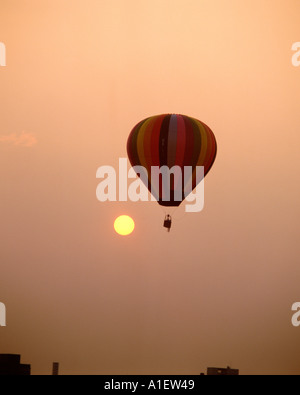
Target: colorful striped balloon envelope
177 145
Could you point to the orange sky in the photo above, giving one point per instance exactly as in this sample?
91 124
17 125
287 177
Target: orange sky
218 289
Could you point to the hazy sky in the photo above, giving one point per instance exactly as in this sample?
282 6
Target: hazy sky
218 289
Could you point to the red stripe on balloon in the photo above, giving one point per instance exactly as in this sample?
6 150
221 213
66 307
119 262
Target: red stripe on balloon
147 144
189 146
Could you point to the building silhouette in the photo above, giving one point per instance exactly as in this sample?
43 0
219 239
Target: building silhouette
55 369
222 372
10 365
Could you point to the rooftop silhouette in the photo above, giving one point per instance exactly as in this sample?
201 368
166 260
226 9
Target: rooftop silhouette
10 365
222 372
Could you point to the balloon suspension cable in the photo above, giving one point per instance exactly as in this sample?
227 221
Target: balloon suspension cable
179 216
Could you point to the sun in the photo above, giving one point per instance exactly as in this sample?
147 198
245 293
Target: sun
124 225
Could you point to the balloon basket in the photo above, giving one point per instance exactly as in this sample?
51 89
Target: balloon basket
168 223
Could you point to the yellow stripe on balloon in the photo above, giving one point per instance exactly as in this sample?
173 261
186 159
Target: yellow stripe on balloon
140 143
204 144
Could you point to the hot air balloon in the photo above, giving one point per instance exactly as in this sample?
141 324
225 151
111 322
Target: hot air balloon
171 141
